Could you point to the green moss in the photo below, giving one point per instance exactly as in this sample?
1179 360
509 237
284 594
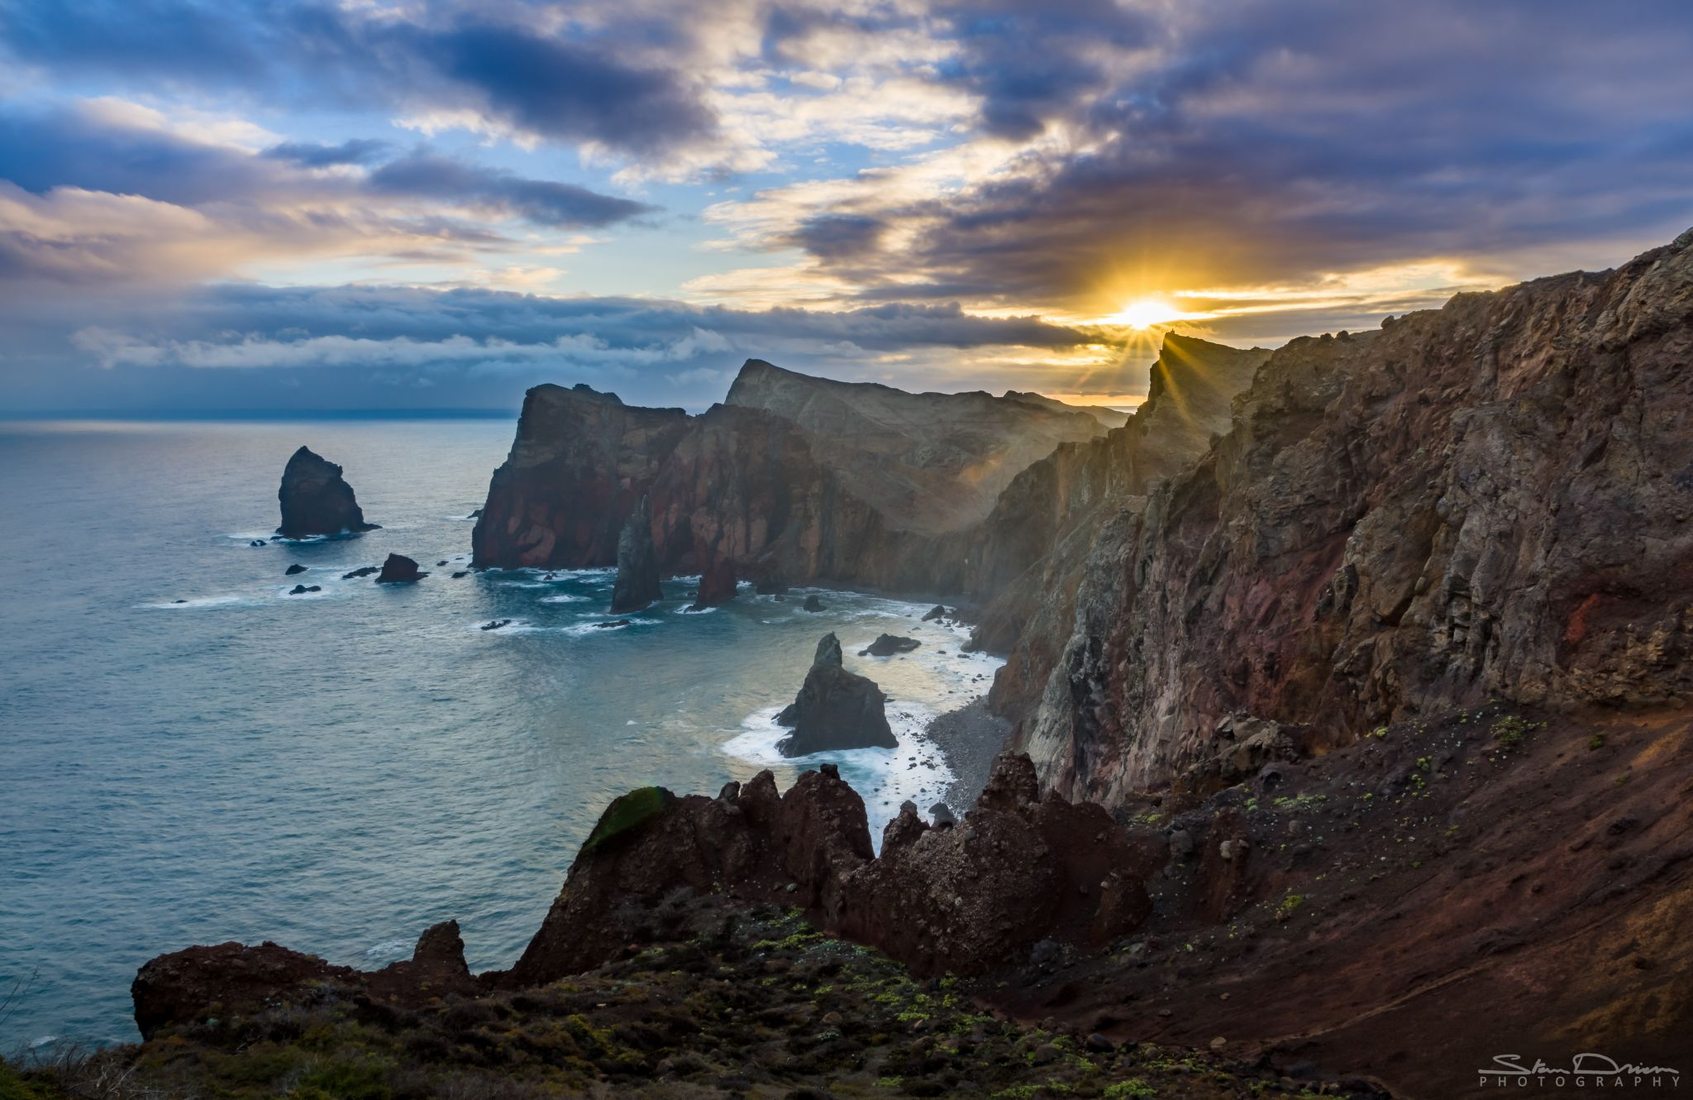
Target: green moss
1289 906
625 814
1132 1089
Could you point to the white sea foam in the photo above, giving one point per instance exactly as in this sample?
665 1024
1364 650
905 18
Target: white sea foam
388 951
932 679
914 770
565 597
198 603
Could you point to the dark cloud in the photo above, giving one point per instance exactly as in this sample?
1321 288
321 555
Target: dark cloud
497 60
248 204
241 346
576 91
543 202
839 236
1033 63
309 154
1271 143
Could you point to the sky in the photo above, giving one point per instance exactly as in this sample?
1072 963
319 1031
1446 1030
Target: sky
434 204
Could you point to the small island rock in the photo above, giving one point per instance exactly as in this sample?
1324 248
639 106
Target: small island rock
399 569
316 500
835 709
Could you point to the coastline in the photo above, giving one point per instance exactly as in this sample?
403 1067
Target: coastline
968 738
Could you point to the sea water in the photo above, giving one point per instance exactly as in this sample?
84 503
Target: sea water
189 754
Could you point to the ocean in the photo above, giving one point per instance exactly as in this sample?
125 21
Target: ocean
190 755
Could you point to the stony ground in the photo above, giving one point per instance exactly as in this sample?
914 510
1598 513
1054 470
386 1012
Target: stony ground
753 1004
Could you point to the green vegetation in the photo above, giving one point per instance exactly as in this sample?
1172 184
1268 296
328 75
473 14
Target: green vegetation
1132 1089
1289 906
625 813
1511 730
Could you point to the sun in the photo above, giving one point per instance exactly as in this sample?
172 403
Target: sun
1144 313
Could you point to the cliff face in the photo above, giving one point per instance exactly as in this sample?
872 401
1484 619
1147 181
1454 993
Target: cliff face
1032 549
1488 500
792 479
580 462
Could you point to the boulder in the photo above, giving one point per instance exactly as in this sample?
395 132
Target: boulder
316 500
302 589
495 624
886 645
934 613
835 709
812 604
294 570
363 571
399 569
637 583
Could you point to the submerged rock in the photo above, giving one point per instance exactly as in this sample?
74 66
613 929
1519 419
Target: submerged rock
835 709
294 570
936 612
496 624
363 571
637 584
886 645
609 624
399 569
316 500
812 604
302 589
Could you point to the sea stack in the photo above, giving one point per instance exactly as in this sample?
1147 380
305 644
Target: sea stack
717 584
637 563
399 569
316 500
835 709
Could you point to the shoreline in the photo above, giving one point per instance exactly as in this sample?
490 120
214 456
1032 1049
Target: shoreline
968 738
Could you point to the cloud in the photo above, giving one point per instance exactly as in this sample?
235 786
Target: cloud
211 209
542 202
1159 148
309 154
236 343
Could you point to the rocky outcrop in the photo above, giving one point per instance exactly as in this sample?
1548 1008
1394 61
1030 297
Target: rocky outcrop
1487 500
959 899
230 983
795 478
316 500
637 585
887 645
835 709
398 569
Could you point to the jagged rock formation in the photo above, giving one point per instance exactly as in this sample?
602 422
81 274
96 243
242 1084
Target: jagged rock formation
316 500
1487 500
835 709
795 478
960 899
637 584
397 569
886 645
234 981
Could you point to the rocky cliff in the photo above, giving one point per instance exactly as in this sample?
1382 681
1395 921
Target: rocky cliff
1487 500
792 479
1030 553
